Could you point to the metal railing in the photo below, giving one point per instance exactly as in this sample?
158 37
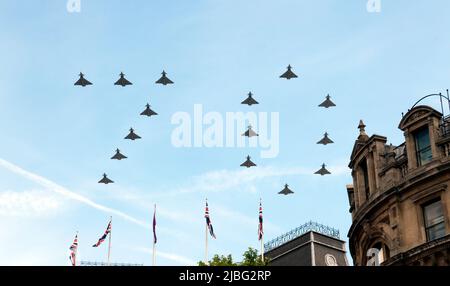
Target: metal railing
299 231
445 126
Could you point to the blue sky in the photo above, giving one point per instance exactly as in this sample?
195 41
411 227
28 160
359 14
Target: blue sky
57 138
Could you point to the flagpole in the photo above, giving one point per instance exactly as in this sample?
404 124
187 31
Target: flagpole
206 244
76 251
206 241
262 235
262 248
154 249
154 244
109 244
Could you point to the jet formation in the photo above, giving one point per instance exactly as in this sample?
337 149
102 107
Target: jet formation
325 140
164 80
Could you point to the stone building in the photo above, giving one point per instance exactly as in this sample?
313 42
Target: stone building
311 244
400 197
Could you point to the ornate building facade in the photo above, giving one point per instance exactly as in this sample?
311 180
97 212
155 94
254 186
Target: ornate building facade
400 196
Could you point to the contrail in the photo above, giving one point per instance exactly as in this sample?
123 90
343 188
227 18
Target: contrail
52 186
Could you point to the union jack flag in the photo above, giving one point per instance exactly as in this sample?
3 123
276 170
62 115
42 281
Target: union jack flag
73 251
101 239
260 226
208 222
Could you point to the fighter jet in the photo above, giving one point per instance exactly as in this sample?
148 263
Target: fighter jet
148 112
82 81
250 100
118 156
286 191
323 171
164 80
105 180
288 74
122 80
248 163
250 132
325 140
327 103
132 136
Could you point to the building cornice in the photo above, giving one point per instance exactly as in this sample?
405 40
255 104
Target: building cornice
419 252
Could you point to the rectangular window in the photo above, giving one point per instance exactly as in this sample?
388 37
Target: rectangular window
423 146
434 220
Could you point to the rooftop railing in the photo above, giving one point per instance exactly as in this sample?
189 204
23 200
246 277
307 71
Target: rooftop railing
299 231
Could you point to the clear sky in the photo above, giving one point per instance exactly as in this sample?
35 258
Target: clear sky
57 138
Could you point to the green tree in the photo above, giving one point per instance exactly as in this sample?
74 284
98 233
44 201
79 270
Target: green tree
250 258
219 261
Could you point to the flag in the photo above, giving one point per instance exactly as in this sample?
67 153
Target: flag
73 251
101 239
208 222
260 226
154 226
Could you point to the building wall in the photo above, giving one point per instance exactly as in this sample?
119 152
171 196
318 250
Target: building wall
321 251
296 257
324 245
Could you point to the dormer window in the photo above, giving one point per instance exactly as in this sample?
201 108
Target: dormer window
423 146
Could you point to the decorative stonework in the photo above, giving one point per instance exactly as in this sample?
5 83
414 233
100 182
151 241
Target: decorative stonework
330 260
419 113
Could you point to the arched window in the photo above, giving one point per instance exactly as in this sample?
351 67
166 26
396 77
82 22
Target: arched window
377 254
383 255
